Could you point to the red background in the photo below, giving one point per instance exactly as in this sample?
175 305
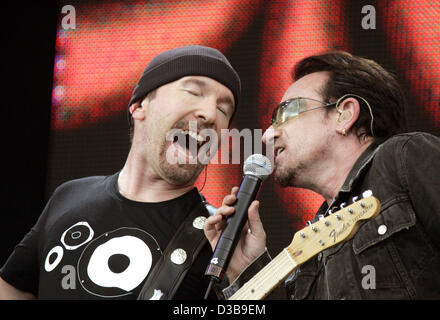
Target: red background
98 64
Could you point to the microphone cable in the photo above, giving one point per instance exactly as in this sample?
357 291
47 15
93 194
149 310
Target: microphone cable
208 291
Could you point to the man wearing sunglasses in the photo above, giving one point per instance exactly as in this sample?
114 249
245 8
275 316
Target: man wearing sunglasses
339 131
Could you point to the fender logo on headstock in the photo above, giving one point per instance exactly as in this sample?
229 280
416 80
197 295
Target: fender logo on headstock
334 235
347 225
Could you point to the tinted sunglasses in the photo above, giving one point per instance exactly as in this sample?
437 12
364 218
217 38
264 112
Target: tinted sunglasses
291 108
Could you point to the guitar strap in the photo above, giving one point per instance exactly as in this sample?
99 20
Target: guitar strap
182 250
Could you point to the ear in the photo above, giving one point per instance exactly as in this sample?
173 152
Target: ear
348 113
136 111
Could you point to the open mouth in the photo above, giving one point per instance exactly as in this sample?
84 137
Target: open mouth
188 142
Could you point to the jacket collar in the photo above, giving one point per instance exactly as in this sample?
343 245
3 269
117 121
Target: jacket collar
361 163
359 166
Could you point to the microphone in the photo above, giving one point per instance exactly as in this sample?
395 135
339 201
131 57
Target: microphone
256 168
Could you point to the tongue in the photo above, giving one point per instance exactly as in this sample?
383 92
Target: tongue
187 143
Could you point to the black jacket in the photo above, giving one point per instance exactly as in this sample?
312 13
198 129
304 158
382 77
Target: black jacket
397 254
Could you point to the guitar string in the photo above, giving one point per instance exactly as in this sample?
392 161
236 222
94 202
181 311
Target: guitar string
281 261
247 288
272 270
264 275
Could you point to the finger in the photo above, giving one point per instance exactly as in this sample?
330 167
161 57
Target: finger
231 198
218 220
211 229
220 226
246 228
254 221
224 211
211 222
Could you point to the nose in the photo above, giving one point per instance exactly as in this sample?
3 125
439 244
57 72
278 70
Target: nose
207 111
270 135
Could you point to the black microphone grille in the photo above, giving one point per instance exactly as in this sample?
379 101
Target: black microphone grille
258 165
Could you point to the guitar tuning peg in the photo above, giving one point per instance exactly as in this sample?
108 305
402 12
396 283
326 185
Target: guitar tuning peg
367 194
355 199
332 210
342 205
309 223
322 218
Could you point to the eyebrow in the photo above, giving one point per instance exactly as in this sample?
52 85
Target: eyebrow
227 100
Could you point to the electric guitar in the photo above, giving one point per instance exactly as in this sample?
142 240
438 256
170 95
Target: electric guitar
314 238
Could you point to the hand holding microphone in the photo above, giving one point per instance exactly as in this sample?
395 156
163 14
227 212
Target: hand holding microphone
230 235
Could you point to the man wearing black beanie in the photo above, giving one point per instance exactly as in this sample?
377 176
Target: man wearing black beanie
138 230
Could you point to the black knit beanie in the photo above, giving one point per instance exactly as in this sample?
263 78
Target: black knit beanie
185 61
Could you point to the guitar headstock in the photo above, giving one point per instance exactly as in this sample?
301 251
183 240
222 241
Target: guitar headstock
332 229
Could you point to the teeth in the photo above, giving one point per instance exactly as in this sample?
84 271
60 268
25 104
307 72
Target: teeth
196 136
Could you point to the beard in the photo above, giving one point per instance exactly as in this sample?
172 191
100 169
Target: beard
287 177
177 173
181 174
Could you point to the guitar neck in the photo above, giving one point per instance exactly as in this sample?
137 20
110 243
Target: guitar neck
267 279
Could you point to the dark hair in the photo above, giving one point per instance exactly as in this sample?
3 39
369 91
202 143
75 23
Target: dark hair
365 78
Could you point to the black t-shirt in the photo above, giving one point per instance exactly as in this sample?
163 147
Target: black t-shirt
92 243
